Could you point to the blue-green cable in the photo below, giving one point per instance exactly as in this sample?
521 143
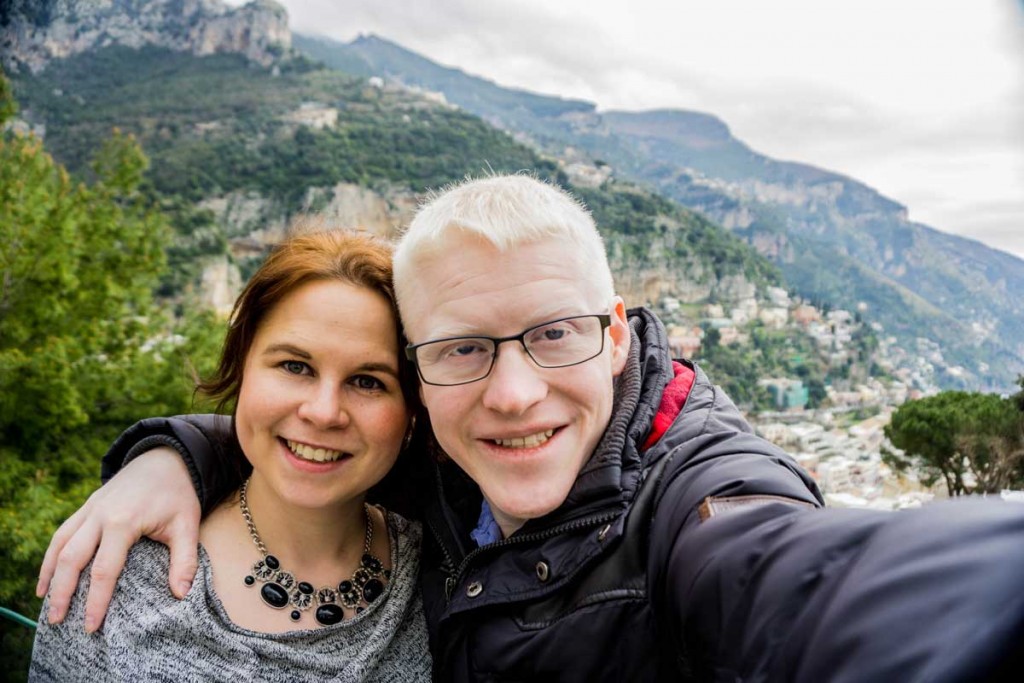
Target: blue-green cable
15 617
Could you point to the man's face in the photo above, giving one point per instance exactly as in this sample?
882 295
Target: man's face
496 428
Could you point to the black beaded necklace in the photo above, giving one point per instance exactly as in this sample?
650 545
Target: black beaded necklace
281 588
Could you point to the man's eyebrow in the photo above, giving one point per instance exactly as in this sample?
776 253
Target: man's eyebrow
464 329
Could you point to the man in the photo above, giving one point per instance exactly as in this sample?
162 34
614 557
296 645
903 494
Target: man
605 513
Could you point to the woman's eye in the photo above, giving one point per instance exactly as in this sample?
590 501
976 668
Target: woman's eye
294 367
367 382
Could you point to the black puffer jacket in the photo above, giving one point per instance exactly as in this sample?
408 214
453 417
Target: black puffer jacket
704 557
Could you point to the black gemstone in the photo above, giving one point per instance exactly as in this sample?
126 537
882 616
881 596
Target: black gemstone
387 573
296 615
274 595
372 590
250 580
372 563
272 562
345 587
359 610
306 588
329 614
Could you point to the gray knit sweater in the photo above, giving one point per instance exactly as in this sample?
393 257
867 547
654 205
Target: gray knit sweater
149 635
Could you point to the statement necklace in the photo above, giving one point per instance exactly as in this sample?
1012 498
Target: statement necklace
281 588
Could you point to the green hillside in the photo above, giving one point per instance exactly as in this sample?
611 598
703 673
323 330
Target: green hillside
219 124
215 124
373 56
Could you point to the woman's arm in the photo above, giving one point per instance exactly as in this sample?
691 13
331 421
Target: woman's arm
158 496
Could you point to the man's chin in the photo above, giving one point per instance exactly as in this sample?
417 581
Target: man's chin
520 509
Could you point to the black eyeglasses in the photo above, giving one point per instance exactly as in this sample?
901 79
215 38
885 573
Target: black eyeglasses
554 344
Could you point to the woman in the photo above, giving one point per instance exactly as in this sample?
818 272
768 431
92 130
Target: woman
300 577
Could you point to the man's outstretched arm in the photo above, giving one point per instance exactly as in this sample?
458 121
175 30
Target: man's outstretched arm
783 593
158 495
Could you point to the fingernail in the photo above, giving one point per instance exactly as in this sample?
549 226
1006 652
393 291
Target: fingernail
183 588
50 614
90 624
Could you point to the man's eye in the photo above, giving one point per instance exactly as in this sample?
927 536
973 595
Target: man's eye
461 349
294 367
554 333
466 350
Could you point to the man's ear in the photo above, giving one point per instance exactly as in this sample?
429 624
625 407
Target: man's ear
620 337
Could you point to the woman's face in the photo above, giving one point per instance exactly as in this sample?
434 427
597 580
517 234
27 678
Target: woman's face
320 413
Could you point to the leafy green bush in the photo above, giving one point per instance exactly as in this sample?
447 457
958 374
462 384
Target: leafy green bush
84 351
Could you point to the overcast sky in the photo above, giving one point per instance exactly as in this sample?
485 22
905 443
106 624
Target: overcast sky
921 99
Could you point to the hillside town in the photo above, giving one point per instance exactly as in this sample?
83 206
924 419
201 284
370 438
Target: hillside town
841 441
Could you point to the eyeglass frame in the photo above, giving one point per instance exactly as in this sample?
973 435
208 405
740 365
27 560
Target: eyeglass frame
605 319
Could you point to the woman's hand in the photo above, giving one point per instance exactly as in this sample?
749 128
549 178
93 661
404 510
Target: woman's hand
152 496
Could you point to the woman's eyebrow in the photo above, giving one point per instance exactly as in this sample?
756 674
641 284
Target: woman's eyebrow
379 367
369 366
287 348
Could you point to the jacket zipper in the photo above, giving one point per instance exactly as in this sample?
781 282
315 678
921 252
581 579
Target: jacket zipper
451 580
449 561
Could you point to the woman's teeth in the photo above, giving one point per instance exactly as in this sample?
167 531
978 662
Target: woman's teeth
315 454
531 441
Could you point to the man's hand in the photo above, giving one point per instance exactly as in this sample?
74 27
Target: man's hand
152 496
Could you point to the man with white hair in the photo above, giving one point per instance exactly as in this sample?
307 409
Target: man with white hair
603 512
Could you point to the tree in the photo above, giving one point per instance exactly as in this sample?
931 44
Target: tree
817 393
972 441
84 350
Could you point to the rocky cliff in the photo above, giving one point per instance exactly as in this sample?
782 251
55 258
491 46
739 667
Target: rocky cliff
33 32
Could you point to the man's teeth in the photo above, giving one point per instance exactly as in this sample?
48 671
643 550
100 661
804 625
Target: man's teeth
531 441
316 454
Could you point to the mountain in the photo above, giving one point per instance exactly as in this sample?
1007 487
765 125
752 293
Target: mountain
834 239
240 144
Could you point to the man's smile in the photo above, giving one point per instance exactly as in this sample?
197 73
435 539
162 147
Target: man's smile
528 441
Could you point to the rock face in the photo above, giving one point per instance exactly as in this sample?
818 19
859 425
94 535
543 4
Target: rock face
353 207
258 30
254 223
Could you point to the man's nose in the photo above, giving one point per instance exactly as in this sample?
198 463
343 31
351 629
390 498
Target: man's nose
324 406
515 383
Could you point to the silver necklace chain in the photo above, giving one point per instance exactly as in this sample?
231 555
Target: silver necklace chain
255 535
